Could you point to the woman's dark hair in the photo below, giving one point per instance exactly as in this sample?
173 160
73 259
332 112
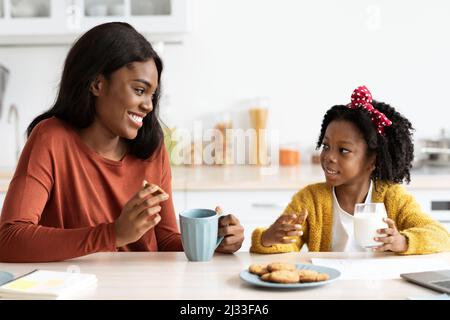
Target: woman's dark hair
103 50
394 150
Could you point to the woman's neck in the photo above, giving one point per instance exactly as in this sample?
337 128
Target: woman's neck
350 194
103 141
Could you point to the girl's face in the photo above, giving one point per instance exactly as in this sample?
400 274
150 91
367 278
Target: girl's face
344 155
123 100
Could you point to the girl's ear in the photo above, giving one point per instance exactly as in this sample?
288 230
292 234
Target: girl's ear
97 85
372 162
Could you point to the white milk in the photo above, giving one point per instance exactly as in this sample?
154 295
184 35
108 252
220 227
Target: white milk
365 226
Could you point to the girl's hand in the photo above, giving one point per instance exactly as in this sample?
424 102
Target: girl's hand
394 241
232 231
288 225
139 214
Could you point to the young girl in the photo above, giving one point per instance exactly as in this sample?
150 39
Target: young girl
367 151
78 187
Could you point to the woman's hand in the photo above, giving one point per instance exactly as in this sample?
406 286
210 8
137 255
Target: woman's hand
393 241
232 231
139 215
288 225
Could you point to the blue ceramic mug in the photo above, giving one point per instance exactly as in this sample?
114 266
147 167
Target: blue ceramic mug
199 233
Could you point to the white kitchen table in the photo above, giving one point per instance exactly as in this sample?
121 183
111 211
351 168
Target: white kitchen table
169 276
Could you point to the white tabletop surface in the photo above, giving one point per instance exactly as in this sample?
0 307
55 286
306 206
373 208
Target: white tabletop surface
169 276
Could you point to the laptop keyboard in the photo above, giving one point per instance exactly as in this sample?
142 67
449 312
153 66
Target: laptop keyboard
443 284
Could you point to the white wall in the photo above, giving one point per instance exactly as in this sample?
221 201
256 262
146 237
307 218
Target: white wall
304 55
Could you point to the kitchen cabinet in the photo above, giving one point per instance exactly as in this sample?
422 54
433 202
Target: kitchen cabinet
43 21
179 201
30 16
150 16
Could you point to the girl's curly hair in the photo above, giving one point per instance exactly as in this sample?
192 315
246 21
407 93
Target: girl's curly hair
394 150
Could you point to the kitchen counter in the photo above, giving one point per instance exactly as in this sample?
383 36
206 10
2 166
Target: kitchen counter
201 178
169 276
198 178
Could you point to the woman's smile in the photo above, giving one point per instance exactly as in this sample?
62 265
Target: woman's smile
136 118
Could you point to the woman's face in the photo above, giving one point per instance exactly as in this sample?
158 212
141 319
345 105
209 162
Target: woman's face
344 155
123 100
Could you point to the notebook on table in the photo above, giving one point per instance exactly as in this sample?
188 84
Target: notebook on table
436 280
5 277
45 284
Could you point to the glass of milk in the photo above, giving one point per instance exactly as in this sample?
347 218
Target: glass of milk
367 219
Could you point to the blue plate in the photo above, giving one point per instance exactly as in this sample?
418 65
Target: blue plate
5 277
255 280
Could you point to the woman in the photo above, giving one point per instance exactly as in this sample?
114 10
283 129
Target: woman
78 187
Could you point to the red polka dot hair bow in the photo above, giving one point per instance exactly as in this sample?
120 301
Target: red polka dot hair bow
362 98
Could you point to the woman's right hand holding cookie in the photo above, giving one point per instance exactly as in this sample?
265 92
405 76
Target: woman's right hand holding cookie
139 215
285 227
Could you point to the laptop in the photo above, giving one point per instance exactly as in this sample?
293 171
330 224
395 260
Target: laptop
436 280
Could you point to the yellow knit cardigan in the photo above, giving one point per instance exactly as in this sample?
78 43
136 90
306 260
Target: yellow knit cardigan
424 234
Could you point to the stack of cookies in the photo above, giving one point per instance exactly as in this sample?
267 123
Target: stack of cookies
285 273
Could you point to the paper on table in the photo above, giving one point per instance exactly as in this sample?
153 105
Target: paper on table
47 284
379 269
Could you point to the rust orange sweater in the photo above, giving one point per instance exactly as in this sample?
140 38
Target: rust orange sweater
64 198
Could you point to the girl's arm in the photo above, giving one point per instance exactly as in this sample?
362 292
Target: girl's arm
424 234
293 207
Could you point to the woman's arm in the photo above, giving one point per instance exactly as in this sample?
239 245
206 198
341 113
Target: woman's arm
22 237
23 240
167 232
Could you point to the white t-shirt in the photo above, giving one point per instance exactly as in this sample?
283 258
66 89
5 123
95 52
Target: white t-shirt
343 239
